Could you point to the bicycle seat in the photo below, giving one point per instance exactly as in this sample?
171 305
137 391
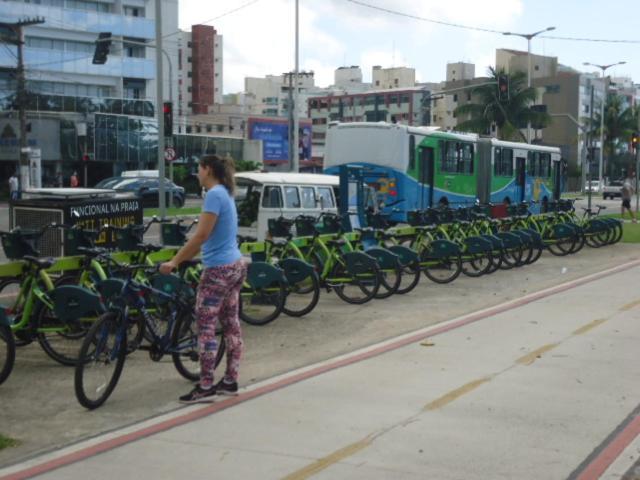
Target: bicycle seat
338 242
149 247
279 242
92 251
41 263
602 207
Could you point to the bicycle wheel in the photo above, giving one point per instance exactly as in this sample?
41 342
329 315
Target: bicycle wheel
101 361
7 352
60 340
259 306
441 270
9 291
302 297
410 278
184 346
356 289
390 279
512 257
476 265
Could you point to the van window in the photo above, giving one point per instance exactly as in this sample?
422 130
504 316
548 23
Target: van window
272 197
325 197
308 197
291 197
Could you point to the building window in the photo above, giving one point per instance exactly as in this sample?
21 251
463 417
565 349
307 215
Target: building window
455 98
189 74
133 11
377 83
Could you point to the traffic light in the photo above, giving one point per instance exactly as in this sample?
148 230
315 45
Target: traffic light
167 108
103 44
635 140
503 87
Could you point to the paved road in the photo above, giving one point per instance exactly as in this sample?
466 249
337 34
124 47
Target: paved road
544 386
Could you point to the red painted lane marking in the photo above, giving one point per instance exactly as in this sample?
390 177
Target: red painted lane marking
110 444
611 452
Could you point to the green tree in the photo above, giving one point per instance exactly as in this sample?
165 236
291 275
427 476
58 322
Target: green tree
619 123
508 115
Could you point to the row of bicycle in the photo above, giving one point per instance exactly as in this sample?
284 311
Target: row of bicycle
379 261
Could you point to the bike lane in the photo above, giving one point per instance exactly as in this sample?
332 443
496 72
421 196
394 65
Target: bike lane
541 387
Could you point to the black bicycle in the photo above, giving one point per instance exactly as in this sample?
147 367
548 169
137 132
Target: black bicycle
166 298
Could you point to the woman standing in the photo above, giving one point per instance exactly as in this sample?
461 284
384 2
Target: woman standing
222 277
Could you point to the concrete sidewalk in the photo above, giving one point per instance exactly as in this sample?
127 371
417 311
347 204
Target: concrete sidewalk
545 386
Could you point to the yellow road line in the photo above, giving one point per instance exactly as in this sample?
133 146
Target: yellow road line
331 459
531 357
454 394
629 306
589 326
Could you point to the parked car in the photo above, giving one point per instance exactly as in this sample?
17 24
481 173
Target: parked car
613 190
108 182
593 186
147 189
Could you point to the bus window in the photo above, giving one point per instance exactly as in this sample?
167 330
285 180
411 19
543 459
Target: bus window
449 162
308 197
503 166
326 200
465 164
545 165
532 158
291 197
272 197
412 152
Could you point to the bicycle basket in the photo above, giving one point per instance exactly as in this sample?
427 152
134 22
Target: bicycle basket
20 243
280 227
331 224
173 234
305 226
129 238
76 238
414 218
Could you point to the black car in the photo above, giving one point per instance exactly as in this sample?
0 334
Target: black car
147 189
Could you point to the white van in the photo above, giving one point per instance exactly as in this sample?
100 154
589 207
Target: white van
261 196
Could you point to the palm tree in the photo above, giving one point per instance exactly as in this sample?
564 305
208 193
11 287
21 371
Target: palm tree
619 124
510 115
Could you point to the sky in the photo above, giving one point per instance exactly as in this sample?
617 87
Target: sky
259 38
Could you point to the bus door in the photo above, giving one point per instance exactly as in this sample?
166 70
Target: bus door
557 178
425 176
520 178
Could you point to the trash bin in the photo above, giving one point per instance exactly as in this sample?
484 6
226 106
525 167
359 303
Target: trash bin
88 207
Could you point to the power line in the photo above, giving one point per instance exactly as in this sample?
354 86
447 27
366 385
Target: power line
10 51
229 12
481 29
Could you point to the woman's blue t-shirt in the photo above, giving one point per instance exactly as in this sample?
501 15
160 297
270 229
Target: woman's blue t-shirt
221 248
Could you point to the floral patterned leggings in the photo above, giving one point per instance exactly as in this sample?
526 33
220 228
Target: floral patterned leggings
218 297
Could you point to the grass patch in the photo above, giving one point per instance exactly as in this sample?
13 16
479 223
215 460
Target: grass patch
571 195
173 212
631 233
6 442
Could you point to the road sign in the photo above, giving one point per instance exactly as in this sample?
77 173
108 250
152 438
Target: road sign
169 154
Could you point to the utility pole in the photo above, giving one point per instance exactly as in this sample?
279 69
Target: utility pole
160 110
17 39
295 160
590 150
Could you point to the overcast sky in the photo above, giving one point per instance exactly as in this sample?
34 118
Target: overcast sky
259 39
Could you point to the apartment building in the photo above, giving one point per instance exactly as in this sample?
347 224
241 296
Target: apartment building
200 70
78 111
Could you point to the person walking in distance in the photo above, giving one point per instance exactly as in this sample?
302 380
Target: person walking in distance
627 193
73 181
14 185
224 271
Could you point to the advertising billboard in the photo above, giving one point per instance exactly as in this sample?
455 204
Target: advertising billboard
274 134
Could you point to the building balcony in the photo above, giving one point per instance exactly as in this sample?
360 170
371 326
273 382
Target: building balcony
79 20
78 63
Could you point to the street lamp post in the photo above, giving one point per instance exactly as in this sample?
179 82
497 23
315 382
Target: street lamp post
529 36
604 99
